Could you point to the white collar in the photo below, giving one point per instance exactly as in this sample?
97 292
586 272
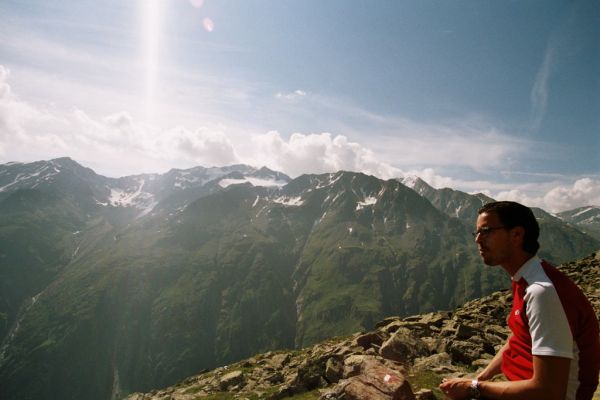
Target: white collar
527 268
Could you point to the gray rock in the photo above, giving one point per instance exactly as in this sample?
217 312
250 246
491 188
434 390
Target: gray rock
403 347
465 352
465 332
278 361
370 339
334 370
231 379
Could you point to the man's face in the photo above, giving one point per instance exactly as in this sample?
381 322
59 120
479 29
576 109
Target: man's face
494 244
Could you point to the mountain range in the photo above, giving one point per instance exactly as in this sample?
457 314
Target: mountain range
110 286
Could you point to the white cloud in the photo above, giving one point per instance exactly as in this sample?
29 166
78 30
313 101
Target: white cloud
119 144
520 197
554 196
319 153
539 92
203 146
583 192
296 94
4 86
465 144
471 141
19 121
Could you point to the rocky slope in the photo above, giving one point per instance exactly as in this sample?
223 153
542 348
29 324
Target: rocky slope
403 358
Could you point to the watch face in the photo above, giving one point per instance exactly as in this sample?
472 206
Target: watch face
474 389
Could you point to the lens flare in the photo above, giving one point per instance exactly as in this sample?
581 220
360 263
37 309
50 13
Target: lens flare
208 24
151 42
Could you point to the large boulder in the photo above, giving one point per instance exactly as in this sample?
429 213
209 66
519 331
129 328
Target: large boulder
403 347
231 379
375 380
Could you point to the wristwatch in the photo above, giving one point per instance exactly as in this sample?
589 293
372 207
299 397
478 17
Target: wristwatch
474 389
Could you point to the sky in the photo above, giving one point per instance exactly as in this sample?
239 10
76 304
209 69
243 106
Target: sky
500 97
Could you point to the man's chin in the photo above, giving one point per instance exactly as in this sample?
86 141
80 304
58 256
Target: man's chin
488 261
491 263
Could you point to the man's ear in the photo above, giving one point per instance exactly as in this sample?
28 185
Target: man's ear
517 235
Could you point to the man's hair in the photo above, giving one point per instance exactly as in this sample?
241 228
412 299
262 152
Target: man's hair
512 214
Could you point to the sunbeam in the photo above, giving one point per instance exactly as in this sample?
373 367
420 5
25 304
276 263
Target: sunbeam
151 27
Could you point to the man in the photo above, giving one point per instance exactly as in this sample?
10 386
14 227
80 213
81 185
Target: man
554 349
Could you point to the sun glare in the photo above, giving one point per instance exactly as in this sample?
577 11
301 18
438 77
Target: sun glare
151 11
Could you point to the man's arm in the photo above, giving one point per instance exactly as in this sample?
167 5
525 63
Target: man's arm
549 382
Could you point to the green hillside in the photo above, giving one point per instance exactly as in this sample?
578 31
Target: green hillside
133 304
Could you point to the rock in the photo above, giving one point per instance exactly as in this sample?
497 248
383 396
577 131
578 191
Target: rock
370 339
465 352
275 378
352 365
465 332
278 361
391 326
435 344
425 394
449 328
433 319
403 347
231 379
433 361
497 330
480 363
334 370
486 346
310 374
375 381
386 322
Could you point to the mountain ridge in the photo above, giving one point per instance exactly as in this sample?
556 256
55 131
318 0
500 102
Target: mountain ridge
160 295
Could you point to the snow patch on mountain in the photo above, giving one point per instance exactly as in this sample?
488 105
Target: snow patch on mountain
410 181
289 201
585 210
44 173
369 201
134 197
185 179
126 198
147 209
457 211
330 181
251 180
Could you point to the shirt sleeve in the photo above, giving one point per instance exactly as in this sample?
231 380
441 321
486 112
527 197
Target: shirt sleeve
548 324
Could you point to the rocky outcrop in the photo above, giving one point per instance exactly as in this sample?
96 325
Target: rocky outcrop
386 363
370 377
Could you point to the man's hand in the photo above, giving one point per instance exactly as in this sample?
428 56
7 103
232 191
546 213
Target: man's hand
456 388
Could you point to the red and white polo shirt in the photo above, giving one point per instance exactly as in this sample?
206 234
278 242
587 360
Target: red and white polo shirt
552 317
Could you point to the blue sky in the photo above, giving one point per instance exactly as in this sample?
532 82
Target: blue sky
501 97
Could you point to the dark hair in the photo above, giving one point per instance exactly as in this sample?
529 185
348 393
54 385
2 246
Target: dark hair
512 214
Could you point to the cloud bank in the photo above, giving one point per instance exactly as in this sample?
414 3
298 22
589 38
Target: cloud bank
117 145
